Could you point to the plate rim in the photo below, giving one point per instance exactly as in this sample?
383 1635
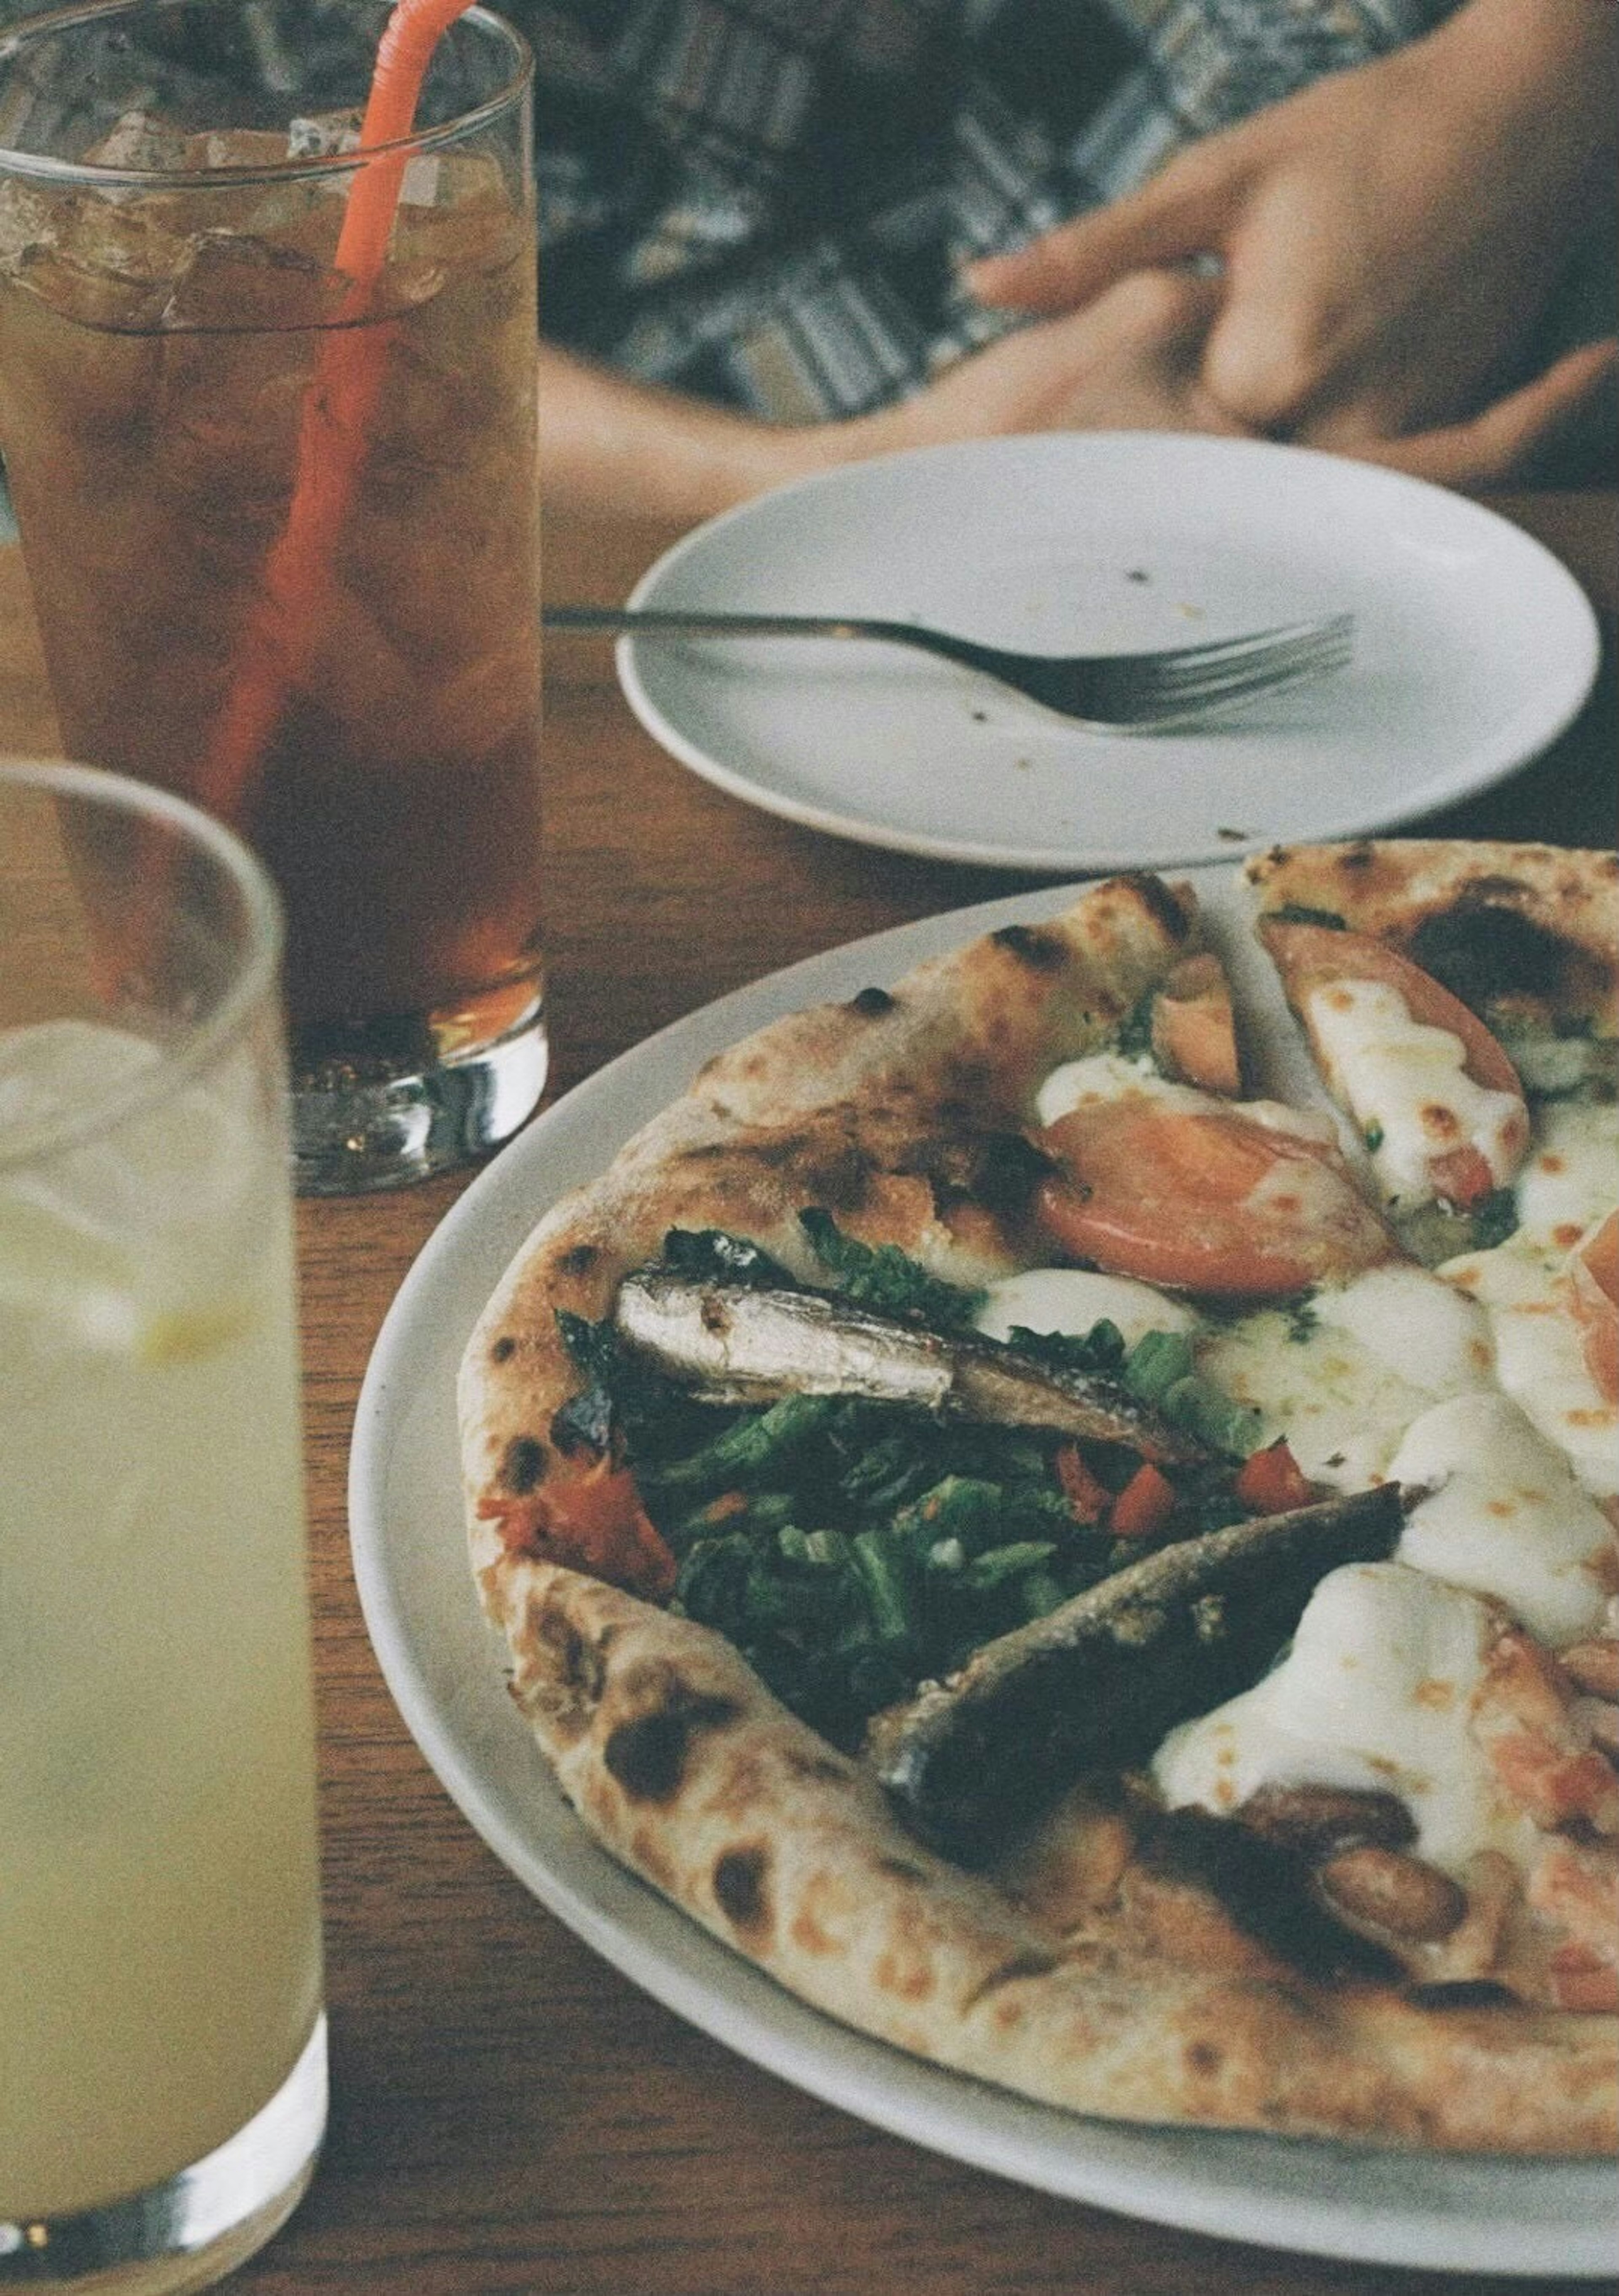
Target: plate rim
1481 770
1197 2180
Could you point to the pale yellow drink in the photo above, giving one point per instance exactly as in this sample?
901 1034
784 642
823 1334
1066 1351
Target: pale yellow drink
160 1959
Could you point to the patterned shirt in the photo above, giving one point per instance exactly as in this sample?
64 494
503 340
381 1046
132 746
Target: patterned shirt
766 201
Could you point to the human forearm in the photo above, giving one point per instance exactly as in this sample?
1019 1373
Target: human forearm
612 445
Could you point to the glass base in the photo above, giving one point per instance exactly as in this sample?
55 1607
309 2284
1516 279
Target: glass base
193 2229
364 1119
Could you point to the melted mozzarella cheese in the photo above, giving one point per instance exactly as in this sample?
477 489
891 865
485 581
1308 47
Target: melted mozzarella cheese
1374 1695
1436 1342
1107 1075
1571 1181
1073 1299
1505 1517
1471 1384
1343 1384
1540 1353
1406 1084
1118 1076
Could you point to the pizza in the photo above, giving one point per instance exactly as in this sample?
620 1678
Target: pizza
1094 1569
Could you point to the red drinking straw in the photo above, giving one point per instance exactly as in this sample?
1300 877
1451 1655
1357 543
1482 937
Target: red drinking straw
335 423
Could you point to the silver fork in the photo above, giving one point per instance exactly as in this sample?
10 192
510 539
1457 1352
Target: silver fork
1115 693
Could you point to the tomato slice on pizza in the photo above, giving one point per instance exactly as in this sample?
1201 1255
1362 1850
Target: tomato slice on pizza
1193 1026
1437 1101
1229 1199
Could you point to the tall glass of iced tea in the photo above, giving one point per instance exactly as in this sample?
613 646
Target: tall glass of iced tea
162 2050
186 372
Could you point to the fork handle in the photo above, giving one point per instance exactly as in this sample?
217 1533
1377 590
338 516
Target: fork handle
608 620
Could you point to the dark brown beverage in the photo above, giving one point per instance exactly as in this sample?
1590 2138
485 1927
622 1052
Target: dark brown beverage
166 355
152 465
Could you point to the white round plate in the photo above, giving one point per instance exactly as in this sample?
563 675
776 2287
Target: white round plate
446 1671
1473 648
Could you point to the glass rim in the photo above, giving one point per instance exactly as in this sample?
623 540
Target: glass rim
45 167
255 978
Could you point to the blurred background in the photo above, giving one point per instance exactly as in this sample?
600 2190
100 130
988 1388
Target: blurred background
11 12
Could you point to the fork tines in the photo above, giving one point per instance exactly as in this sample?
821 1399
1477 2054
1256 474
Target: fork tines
1150 691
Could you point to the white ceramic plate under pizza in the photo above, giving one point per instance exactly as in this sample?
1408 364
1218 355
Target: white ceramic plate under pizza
1473 648
446 1669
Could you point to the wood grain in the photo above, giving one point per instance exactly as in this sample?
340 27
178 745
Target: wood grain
510 2117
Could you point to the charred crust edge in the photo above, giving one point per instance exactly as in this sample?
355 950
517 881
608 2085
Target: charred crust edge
1160 903
741 1880
1042 952
647 1755
523 1464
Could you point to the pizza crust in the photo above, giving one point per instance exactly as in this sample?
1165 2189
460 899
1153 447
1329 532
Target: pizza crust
682 1765
1122 1992
1402 890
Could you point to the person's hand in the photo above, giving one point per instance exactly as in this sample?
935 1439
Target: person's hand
1560 422
1389 236
1135 359
613 448
1128 361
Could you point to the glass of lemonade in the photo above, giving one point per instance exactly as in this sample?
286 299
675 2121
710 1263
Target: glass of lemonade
162 2047
182 357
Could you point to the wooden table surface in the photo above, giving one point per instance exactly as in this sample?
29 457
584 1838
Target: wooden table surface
510 2114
